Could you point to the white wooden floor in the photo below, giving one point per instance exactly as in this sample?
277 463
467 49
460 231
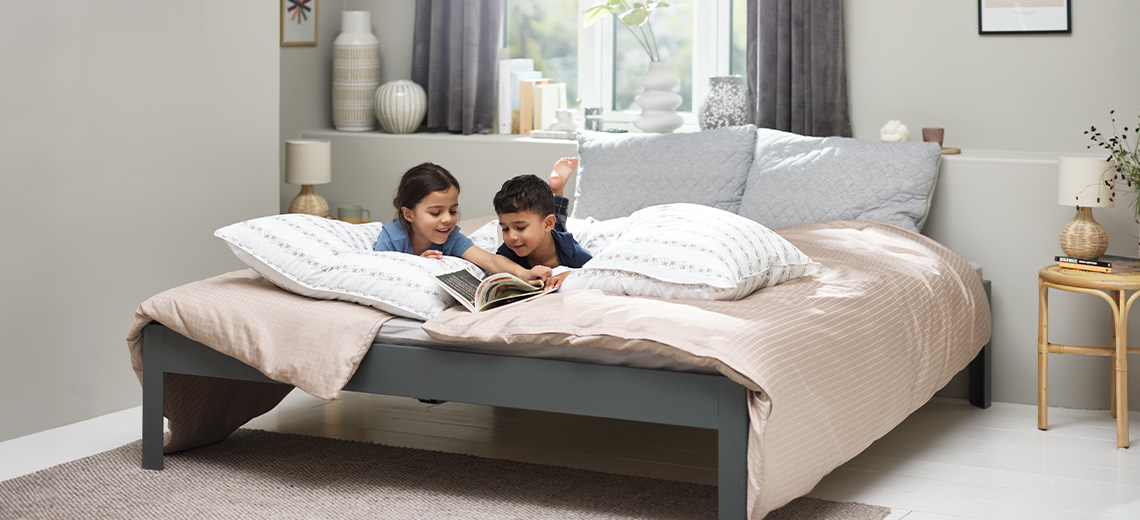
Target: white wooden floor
947 461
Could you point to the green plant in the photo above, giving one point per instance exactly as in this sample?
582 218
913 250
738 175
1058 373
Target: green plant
1124 155
635 15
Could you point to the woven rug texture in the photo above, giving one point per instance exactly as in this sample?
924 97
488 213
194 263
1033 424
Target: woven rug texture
259 474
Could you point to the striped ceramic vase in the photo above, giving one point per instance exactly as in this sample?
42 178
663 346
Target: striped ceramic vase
400 106
356 73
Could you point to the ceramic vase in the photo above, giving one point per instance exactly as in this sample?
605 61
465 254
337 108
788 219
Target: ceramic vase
356 73
400 106
658 102
724 103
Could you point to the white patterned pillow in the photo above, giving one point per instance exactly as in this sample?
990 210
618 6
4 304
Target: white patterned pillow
333 260
691 251
596 235
487 236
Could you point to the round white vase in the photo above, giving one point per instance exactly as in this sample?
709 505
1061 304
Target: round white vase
400 106
356 73
724 103
658 102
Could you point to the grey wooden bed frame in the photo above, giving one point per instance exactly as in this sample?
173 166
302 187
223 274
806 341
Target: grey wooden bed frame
637 394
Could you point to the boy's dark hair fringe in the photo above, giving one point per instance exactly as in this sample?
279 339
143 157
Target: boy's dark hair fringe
525 193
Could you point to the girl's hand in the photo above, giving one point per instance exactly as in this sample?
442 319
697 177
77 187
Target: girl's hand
555 281
433 253
539 274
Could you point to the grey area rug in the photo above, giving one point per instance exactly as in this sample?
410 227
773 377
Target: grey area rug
258 474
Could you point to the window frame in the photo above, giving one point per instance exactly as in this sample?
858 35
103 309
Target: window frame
712 47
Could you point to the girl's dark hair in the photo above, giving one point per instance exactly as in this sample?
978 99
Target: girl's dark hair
419 182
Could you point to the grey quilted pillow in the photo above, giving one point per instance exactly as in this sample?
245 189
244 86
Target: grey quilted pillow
796 179
622 173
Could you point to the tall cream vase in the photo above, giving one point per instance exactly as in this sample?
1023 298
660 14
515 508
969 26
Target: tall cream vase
356 73
658 102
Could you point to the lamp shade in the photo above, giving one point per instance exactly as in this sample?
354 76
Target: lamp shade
308 162
1085 182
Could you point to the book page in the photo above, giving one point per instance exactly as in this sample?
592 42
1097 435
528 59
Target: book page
462 284
502 288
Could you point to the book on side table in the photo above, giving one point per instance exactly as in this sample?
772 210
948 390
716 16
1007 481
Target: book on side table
481 293
1104 264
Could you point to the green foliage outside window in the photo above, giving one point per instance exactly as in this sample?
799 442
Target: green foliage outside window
547 32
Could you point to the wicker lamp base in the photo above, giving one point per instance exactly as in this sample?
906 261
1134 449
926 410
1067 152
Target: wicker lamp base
1083 237
309 203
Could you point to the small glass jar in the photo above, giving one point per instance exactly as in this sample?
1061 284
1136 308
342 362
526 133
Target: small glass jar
594 118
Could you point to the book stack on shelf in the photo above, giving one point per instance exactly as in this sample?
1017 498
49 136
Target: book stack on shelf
525 100
1104 264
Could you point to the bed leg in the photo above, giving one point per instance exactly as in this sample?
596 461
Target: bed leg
732 452
980 367
152 413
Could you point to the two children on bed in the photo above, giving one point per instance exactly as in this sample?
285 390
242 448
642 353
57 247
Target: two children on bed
532 216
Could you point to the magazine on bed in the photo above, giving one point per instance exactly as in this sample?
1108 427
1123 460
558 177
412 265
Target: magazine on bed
479 293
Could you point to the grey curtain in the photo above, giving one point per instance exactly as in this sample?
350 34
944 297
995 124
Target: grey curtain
797 76
454 53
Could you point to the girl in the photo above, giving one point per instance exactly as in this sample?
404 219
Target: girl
427 209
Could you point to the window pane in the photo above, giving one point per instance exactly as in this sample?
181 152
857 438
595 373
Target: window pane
547 32
738 40
672 27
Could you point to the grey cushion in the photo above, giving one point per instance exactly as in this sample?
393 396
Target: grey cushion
796 179
622 173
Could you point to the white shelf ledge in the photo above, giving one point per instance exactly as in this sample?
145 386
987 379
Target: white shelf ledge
325 133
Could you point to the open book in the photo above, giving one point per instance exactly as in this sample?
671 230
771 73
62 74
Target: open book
479 293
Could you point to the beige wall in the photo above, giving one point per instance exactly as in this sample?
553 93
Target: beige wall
306 72
925 64
1026 98
129 131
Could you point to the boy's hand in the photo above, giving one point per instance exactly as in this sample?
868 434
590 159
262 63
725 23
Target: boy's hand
561 173
539 274
555 281
433 253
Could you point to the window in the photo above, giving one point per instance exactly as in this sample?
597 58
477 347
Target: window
672 30
545 31
600 65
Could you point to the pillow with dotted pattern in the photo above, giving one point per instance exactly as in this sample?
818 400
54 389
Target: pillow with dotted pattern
691 251
333 260
796 179
622 173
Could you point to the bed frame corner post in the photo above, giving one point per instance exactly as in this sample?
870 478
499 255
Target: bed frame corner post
980 377
732 451
152 412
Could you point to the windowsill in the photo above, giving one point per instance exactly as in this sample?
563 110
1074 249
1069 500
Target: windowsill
967 155
328 133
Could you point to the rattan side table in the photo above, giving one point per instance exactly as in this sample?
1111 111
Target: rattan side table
1114 289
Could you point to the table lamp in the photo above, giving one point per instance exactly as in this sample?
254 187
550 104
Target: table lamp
308 162
1084 182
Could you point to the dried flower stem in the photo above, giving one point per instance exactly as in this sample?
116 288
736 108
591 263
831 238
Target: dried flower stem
1123 154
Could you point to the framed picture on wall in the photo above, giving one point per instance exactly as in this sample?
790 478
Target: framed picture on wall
298 22
1024 16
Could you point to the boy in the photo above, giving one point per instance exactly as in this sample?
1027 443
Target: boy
533 225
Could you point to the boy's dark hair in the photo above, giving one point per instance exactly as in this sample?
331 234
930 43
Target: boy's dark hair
525 193
419 182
